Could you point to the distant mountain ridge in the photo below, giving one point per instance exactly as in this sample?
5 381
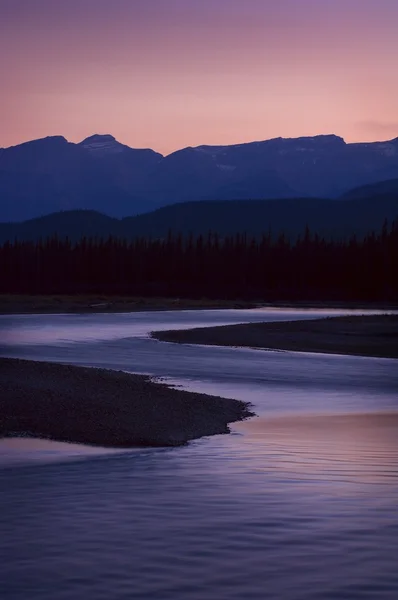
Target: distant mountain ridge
51 174
379 189
327 218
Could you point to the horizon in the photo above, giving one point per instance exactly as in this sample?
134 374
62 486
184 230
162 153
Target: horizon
173 74
256 141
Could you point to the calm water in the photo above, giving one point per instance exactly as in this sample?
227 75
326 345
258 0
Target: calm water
298 503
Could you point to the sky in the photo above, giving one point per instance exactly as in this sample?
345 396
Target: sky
167 74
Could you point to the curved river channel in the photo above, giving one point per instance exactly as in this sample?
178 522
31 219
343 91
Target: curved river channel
298 503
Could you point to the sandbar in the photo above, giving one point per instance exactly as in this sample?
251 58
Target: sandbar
105 408
370 335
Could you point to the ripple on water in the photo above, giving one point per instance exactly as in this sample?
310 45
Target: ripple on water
294 507
286 508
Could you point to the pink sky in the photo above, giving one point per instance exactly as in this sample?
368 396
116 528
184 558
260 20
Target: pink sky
167 74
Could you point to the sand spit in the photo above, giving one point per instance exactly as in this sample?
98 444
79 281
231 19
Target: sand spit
106 408
373 335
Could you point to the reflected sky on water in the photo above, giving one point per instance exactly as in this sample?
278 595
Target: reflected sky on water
297 503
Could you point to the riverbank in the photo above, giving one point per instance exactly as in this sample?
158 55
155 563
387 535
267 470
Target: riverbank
27 304
52 304
105 408
373 335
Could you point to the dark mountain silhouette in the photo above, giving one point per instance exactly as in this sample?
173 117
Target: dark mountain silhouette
99 173
381 188
51 174
329 218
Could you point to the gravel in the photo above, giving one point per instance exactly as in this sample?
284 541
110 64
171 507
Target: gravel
106 408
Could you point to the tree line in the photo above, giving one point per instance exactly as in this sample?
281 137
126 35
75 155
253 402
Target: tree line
232 267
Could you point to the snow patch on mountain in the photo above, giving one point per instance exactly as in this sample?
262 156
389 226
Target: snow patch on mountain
226 167
101 145
387 149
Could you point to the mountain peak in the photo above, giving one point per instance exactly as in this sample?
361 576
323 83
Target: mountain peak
99 137
53 140
329 137
318 140
102 144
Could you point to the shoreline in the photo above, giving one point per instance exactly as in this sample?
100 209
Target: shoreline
106 408
371 335
90 304
96 303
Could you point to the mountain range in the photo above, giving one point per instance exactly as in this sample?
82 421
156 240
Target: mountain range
328 218
51 174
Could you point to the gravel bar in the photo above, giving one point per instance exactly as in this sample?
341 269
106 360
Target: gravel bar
363 335
106 408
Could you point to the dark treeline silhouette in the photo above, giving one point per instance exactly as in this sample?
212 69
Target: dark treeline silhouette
236 267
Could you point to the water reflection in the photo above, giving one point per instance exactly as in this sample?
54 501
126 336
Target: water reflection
283 382
71 328
299 503
304 508
356 448
17 451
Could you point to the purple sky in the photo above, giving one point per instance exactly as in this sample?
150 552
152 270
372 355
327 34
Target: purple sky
172 73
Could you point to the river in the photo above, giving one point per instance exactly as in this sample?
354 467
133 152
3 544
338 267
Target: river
299 502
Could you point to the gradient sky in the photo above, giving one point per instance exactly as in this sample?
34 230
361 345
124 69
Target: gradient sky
167 74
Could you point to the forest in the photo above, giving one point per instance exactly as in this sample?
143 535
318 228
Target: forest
229 267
